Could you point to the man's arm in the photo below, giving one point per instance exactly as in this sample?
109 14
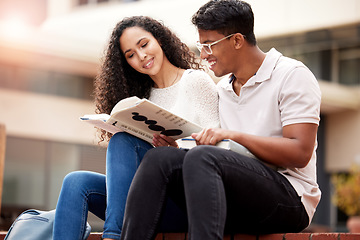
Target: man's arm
294 149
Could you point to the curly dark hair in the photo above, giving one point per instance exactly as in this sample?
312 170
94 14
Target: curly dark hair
118 80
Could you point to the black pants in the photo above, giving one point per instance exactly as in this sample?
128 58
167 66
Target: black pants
220 190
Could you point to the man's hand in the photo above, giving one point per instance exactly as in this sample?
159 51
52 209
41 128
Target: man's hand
210 136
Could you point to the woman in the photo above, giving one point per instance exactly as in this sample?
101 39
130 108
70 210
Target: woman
145 59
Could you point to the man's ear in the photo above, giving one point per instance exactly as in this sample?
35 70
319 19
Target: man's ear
239 40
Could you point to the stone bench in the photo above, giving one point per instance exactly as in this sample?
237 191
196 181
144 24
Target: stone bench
284 236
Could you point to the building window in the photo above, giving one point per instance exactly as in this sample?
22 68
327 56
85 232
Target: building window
34 175
349 62
318 62
46 82
83 2
331 54
87 2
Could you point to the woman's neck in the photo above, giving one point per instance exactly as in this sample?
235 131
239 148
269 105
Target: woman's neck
167 76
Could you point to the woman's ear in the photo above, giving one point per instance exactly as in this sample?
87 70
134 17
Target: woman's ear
239 40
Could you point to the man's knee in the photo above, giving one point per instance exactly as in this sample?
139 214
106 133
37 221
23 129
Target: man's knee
156 155
162 158
199 157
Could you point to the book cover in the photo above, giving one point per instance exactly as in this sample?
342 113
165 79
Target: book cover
142 118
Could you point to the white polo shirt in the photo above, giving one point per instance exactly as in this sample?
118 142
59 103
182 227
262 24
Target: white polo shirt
282 92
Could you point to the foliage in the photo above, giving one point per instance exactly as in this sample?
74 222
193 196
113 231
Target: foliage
347 191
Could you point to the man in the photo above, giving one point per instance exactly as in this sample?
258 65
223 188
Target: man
268 103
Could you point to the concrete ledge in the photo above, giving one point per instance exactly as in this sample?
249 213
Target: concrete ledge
286 236
282 236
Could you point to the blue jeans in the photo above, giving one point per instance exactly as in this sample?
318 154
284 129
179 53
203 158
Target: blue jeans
104 196
222 192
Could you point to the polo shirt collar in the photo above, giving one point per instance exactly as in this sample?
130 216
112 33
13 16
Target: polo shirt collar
267 67
263 73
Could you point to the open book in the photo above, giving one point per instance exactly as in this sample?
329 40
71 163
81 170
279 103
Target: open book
142 118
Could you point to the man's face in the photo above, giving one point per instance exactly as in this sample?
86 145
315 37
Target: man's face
220 59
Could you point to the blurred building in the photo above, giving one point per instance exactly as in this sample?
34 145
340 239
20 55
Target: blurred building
49 55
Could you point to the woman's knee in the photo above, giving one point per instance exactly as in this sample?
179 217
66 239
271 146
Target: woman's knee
73 178
119 149
81 180
119 138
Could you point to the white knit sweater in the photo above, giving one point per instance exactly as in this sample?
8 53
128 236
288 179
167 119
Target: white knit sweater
194 97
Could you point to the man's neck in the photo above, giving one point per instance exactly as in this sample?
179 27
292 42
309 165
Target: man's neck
249 63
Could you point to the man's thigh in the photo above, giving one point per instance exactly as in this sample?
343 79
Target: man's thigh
258 198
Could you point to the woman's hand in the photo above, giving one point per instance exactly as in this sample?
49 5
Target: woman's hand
160 140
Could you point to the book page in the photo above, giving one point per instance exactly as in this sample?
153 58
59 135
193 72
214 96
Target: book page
125 103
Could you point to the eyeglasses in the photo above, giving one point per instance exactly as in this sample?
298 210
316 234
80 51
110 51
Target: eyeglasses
207 47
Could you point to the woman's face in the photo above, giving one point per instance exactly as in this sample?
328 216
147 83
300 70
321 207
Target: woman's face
142 51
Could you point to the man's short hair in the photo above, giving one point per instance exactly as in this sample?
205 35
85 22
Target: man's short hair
226 17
